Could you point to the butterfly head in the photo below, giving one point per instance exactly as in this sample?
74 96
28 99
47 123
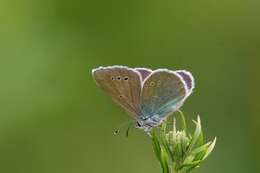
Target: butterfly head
148 123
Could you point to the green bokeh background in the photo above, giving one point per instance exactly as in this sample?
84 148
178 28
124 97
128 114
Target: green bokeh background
53 118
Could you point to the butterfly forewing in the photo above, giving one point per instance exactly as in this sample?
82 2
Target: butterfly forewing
123 85
163 93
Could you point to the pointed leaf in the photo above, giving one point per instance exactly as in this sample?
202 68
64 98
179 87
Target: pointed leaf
156 145
195 135
167 146
200 149
164 162
191 164
210 148
183 121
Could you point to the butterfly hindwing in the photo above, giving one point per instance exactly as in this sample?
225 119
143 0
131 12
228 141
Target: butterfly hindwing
188 79
144 72
163 93
123 84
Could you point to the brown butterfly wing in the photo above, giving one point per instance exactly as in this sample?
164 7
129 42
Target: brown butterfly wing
123 84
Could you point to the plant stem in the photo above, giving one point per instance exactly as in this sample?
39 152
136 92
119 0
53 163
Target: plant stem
174 171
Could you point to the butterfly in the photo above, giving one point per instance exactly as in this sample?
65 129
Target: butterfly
149 96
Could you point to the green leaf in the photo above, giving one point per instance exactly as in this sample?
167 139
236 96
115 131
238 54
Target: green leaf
190 164
189 159
166 146
178 152
164 163
184 142
156 145
200 140
160 153
183 121
210 148
164 127
174 126
200 149
192 167
196 135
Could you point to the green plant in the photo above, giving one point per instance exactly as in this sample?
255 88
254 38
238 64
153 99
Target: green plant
177 150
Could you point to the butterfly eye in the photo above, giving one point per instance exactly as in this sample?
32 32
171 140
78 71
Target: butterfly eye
126 78
120 96
138 124
112 78
118 77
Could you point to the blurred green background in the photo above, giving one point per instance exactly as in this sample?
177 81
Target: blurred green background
53 118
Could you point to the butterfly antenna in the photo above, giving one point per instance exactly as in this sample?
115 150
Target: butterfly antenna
117 130
129 128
